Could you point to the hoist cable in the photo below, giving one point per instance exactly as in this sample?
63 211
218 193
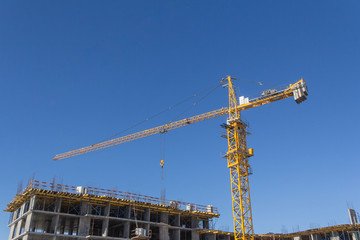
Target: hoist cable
155 115
195 103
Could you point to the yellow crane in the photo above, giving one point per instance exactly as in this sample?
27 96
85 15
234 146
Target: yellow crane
237 154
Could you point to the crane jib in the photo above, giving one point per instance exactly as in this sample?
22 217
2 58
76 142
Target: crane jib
299 88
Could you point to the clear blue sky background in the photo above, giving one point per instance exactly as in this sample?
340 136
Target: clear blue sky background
75 72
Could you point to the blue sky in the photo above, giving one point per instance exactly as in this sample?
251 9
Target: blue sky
75 73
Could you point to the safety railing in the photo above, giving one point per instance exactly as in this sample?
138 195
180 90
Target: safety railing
119 194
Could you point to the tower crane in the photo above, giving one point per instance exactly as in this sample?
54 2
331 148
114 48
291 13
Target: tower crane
237 154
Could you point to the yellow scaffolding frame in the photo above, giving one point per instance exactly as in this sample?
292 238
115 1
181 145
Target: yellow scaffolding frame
96 199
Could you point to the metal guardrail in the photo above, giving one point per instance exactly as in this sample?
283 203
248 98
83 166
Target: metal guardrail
119 194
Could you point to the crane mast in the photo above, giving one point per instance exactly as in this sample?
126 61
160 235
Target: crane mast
237 155
238 163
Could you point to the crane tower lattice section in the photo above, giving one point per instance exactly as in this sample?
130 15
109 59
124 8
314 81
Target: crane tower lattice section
238 163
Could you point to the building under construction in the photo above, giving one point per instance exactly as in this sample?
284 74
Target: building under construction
50 211
55 211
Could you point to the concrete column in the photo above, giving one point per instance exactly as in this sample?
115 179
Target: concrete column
195 225
105 224
32 202
194 222
58 202
164 217
147 215
12 229
126 230
84 222
176 234
105 227
128 211
147 218
18 227
177 220
107 210
210 237
54 223
84 208
164 232
55 219
196 236
84 226
28 222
